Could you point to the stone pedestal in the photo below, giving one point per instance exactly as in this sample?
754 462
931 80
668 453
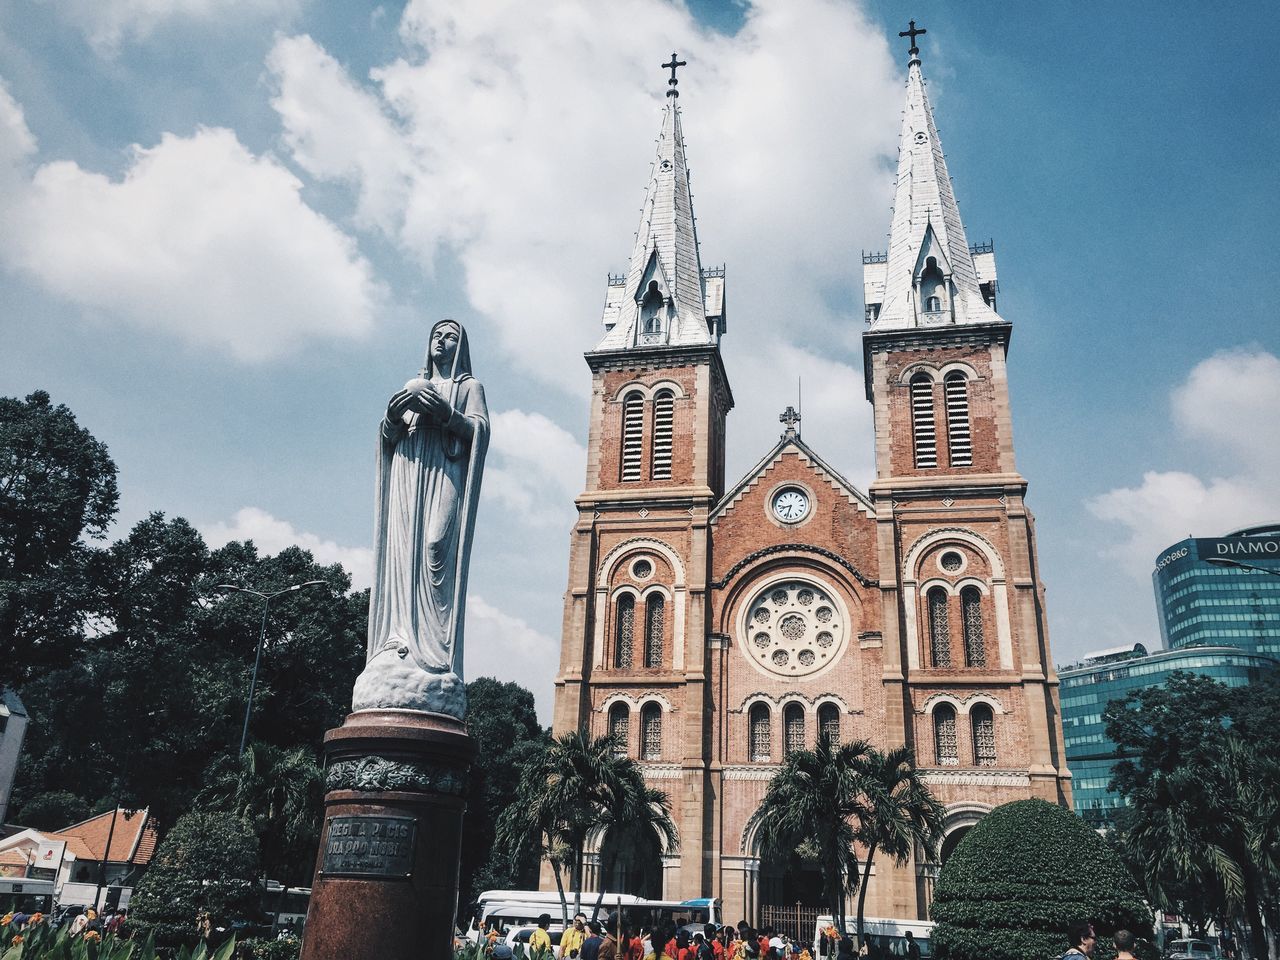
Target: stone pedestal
386 881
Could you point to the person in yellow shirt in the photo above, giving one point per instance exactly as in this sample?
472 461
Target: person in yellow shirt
540 940
571 939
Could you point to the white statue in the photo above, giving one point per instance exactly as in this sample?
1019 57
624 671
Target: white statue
431 451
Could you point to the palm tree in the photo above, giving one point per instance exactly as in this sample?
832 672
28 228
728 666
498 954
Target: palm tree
635 823
899 813
577 784
816 798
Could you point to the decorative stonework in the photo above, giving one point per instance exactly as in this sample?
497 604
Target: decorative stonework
793 548
380 773
974 778
660 771
757 771
795 627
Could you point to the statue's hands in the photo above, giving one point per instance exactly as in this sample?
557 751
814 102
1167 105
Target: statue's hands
430 403
401 403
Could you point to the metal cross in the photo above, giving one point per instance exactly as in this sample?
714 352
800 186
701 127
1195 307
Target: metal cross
913 33
673 92
790 418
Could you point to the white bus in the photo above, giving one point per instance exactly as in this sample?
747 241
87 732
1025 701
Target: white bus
22 893
505 909
887 934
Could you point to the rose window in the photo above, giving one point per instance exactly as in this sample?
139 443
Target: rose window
794 628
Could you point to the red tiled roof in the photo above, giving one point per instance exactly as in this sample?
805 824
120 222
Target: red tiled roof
133 839
13 858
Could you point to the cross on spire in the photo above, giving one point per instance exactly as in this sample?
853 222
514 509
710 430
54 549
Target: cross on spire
913 33
673 92
790 417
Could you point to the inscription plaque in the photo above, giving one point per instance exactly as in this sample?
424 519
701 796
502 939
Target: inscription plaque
366 846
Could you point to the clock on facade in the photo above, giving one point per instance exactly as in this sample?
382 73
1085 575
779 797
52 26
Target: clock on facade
790 505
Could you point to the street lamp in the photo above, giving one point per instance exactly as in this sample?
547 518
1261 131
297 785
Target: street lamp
266 599
1227 562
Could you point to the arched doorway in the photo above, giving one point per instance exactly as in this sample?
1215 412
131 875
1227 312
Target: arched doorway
960 819
949 844
790 894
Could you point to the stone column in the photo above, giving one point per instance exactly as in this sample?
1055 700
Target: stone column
386 881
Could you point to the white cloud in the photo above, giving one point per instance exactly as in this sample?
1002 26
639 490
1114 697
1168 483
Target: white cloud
527 161
1226 408
106 24
200 239
535 469
271 535
506 647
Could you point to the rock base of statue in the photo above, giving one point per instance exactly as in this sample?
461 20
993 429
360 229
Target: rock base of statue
386 880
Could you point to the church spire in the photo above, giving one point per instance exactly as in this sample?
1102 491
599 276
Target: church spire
664 298
929 275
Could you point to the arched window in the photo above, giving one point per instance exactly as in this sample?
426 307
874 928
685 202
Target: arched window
761 733
924 432
620 728
654 618
793 728
959 439
651 732
651 310
624 631
664 406
939 628
983 723
632 435
946 749
933 286
829 722
975 651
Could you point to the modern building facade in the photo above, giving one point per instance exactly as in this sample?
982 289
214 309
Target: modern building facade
1087 687
712 627
13 730
1201 602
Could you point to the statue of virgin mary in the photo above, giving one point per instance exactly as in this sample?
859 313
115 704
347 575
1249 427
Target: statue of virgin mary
431 448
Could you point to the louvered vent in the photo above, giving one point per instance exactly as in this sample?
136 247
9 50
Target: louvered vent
664 406
959 440
926 435
632 436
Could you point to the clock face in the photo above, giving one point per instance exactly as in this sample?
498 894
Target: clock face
791 505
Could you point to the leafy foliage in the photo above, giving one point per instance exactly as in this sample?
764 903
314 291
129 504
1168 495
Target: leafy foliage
577 785
1202 777
503 723
57 485
287 948
42 942
53 810
208 863
1020 876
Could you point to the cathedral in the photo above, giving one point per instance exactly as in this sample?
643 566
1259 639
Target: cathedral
715 625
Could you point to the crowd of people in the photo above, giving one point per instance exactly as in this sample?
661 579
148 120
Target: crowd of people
606 940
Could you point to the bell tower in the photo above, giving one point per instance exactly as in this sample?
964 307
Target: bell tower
634 631
962 600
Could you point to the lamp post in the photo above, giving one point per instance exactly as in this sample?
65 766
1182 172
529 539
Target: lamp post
1227 562
266 599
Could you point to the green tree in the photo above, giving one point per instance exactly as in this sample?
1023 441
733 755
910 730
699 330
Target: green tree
816 799
898 814
566 792
1020 876
208 863
502 720
634 824
57 486
279 794
1201 774
53 810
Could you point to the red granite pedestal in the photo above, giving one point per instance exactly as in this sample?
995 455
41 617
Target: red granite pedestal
386 881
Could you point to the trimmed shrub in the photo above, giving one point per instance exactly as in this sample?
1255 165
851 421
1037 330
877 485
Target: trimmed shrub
1020 876
287 948
208 863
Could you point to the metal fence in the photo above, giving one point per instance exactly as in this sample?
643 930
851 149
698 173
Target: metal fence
796 921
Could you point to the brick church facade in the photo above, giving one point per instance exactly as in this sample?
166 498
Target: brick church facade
713 627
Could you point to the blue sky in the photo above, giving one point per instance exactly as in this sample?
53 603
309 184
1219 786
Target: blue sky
226 228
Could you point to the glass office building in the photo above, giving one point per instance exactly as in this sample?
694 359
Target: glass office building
1087 688
1205 603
